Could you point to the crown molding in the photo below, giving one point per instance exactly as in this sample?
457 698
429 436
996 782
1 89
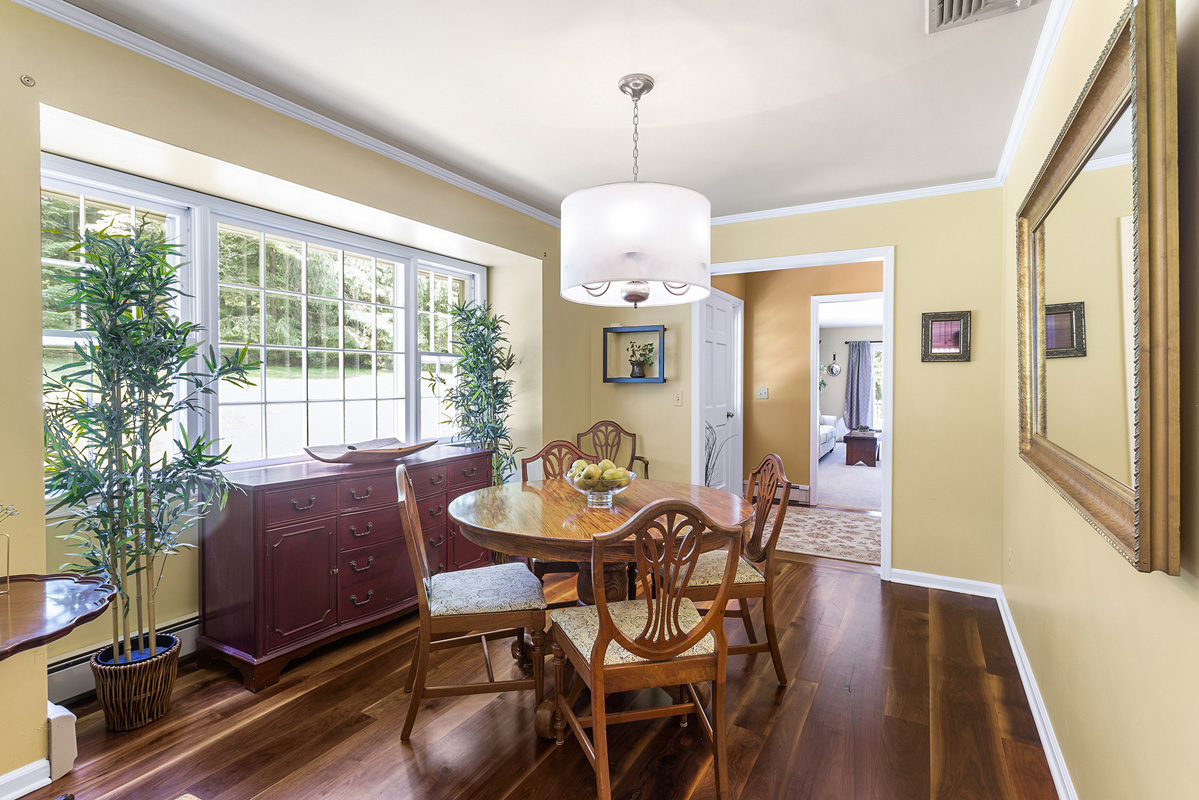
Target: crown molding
88 22
1055 20
865 200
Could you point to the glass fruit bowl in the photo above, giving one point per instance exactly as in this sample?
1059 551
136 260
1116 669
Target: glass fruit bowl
599 490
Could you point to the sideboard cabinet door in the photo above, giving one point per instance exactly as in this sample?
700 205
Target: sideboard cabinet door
301 581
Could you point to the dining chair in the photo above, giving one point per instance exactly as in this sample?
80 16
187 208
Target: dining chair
658 640
607 440
756 568
468 607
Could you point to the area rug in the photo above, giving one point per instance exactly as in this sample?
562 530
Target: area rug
856 486
844 535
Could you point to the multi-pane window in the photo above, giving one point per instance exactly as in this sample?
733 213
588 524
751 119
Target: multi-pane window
876 371
437 292
330 314
327 323
65 216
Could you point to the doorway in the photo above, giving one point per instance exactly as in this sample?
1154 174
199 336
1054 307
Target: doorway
850 423
806 423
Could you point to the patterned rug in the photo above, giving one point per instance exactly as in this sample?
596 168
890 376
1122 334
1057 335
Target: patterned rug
830 534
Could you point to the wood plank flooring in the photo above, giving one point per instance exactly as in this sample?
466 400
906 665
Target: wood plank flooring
896 693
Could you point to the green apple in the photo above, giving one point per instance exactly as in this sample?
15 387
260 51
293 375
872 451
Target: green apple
606 465
579 465
593 472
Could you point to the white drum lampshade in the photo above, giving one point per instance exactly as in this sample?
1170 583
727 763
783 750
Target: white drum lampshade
625 241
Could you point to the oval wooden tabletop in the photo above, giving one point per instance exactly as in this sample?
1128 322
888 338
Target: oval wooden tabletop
551 520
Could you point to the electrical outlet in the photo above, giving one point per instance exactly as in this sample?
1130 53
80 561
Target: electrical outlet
763 393
678 398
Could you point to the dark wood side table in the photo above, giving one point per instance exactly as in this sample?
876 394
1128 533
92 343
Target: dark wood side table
861 447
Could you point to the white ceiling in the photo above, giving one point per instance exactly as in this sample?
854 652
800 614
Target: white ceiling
851 313
759 104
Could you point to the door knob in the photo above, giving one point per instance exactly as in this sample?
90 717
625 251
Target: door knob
728 414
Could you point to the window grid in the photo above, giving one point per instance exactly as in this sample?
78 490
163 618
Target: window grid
369 370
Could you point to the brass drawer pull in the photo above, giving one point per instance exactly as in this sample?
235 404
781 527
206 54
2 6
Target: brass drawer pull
367 532
438 512
437 543
296 503
440 569
472 472
437 480
369 560
354 494
354 598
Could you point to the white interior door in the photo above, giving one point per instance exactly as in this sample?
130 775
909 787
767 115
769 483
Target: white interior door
720 397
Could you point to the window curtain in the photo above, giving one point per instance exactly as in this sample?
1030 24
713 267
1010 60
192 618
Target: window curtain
859 386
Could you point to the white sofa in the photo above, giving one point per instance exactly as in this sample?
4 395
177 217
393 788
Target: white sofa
832 430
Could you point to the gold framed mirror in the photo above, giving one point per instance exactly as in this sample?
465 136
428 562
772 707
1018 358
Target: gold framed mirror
1100 227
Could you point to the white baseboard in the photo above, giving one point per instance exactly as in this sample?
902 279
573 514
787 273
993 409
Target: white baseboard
1040 714
961 585
73 677
1053 753
23 780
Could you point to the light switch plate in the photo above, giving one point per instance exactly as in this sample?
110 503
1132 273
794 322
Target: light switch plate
678 398
763 393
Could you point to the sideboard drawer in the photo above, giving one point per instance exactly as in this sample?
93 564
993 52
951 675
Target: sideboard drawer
432 511
362 528
472 471
303 502
428 480
376 490
367 564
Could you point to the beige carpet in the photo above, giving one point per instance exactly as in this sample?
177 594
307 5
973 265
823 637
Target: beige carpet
844 535
856 486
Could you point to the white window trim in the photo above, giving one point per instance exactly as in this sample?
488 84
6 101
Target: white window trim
200 214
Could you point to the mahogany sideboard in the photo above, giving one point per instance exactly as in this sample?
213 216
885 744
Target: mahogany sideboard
306 552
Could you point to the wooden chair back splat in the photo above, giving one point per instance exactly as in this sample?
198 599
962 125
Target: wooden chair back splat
761 491
556 458
607 439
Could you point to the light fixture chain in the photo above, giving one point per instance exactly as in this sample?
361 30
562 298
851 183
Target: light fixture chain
636 136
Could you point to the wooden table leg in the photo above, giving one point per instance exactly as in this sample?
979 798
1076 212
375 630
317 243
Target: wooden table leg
616 583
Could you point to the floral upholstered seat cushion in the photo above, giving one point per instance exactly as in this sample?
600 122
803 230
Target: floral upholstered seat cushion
504 587
581 626
710 569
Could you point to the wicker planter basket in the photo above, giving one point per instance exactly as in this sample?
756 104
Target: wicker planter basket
133 695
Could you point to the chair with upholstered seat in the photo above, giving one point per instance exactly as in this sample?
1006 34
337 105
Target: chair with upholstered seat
756 568
609 440
657 640
556 458
465 608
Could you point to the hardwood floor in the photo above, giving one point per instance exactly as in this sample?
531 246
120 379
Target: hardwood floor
896 693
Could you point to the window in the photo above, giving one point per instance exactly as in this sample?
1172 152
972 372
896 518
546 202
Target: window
329 314
876 368
327 325
436 292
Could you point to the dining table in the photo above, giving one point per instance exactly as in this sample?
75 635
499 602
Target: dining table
551 520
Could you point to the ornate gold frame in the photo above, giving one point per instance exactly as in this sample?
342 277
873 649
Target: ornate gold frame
1139 65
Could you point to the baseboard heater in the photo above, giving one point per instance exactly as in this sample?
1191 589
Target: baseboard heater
70 678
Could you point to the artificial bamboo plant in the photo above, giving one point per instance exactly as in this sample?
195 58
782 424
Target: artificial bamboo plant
479 398
136 383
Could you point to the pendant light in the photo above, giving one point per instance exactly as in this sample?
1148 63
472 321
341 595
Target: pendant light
636 243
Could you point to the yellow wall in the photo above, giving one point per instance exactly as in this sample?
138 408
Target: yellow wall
778 346
947 510
730 284
164 104
832 341
1113 651
1083 263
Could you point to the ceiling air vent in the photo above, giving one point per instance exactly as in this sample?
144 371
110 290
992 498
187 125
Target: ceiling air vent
943 14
